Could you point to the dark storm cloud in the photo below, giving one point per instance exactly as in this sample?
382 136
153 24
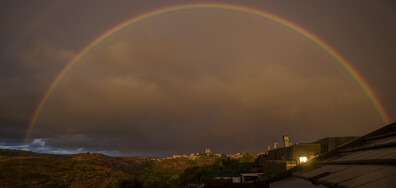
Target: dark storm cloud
183 81
24 84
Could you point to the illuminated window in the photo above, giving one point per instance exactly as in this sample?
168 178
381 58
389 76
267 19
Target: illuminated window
303 159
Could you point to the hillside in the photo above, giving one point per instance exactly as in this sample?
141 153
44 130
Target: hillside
29 169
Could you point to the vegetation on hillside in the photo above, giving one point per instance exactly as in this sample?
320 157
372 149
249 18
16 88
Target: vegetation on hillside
28 169
196 174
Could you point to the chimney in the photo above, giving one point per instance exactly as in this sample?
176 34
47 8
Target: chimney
268 147
286 141
275 143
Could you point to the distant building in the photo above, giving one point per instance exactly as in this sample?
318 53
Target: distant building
223 179
252 175
179 156
235 155
192 156
233 179
207 150
286 141
227 175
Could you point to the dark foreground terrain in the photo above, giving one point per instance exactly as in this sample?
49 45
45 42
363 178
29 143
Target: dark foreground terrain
29 169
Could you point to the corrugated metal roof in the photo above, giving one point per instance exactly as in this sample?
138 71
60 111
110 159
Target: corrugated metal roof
368 161
367 154
372 178
294 182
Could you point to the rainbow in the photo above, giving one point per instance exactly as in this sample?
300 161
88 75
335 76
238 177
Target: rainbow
343 62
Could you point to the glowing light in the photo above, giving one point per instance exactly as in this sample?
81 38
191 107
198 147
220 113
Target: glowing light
303 159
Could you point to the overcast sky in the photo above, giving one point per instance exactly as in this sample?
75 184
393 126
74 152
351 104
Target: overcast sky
182 81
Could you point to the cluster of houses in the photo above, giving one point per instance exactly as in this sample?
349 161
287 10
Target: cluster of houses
194 156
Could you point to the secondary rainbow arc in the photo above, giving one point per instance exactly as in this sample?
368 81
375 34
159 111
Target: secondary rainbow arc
342 61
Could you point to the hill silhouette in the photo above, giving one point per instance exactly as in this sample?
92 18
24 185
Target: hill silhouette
29 169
